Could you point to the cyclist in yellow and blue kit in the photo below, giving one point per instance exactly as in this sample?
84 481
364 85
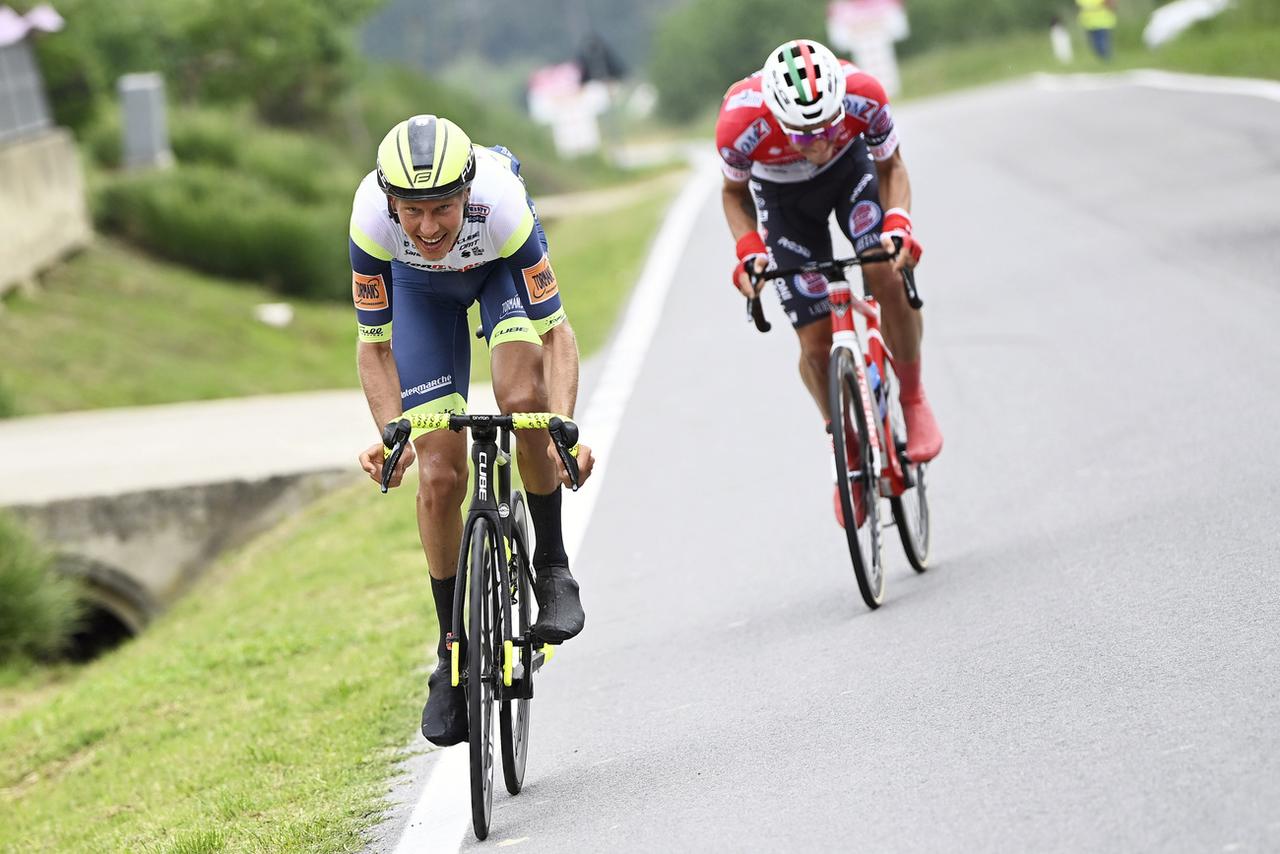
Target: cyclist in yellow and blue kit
439 225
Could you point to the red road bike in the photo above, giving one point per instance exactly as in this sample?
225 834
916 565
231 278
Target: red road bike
869 438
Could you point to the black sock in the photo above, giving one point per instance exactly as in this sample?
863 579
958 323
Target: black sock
545 511
442 592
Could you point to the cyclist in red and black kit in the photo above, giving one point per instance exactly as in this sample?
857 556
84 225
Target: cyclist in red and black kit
806 136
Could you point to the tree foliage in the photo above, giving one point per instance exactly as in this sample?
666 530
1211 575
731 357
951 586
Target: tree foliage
703 48
289 58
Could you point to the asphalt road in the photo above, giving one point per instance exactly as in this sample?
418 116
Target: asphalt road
1092 662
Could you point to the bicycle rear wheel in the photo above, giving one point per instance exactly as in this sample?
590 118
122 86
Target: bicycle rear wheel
911 508
513 714
856 478
485 638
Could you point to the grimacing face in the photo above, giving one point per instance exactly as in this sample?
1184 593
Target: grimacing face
432 224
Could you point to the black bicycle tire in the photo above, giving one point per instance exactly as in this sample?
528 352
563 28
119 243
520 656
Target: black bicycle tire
840 371
479 713
514 729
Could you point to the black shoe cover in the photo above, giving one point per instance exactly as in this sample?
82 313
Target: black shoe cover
444 718
560 614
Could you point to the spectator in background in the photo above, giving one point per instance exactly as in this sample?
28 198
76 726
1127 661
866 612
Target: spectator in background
1098 18
1061 41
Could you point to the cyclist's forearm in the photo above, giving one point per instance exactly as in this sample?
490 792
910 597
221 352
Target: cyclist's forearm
380 381
739 209
560 368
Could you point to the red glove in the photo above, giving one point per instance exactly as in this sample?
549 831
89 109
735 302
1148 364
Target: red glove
748 249
897 223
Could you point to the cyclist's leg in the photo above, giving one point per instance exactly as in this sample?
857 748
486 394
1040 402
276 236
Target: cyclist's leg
432 351
793 221
860 218
514 319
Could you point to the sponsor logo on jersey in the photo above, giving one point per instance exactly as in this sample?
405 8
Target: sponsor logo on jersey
788 243
859 107
864 217
867 241
745 98
811 284
509 306
751 138
540 281
477 213
369 293
734 159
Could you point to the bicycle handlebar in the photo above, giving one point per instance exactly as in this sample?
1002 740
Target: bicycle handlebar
834 269
564 435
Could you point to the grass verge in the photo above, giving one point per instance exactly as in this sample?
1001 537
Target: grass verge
113 327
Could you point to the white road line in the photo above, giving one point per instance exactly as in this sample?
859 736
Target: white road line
1169 80
442 814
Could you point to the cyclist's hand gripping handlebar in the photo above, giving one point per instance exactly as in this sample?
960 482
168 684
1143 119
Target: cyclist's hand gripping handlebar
565 436
394 437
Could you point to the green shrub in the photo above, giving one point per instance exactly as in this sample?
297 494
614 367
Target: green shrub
39 609
306 167
229 223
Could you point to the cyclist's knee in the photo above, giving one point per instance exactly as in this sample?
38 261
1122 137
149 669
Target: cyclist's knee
442 486
526 394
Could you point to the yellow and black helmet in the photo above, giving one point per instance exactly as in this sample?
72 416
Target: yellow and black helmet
425 157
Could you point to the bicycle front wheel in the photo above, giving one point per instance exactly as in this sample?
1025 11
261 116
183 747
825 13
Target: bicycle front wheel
513 714
485 639
857 481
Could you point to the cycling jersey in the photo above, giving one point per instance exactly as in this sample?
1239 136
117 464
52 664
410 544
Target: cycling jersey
499 259
753 145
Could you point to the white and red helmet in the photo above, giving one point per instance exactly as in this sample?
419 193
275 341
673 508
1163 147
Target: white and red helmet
803 85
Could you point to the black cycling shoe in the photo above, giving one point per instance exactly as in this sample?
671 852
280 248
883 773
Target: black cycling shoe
444 718
560 614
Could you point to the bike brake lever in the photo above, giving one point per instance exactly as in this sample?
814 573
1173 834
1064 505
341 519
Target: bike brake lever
394 437
755 308
564 435
908 278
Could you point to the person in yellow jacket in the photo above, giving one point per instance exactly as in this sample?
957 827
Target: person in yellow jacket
1098 18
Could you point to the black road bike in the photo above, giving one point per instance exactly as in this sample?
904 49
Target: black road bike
493 652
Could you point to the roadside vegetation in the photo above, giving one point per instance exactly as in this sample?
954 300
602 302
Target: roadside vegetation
39 609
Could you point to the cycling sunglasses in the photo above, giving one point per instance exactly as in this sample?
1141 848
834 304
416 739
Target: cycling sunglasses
808 137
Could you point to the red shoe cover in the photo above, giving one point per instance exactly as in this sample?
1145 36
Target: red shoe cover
924 439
